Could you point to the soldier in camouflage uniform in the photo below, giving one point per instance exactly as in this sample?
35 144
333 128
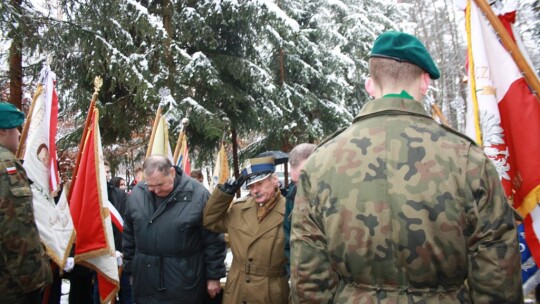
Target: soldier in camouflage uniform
24 267
399 209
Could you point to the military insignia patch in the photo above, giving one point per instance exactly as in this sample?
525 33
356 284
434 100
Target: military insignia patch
11 170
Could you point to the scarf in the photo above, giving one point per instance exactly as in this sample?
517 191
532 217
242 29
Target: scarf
262 211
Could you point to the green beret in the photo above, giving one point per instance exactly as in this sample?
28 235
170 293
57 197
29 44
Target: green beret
404 47
11 117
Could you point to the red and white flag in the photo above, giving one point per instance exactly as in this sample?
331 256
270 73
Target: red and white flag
504 117
53 220
94 246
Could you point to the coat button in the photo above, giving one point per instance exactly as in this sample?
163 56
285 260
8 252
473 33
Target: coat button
151 222
244 301
250 259
247 280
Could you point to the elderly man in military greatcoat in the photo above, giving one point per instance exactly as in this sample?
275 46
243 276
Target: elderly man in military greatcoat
255 227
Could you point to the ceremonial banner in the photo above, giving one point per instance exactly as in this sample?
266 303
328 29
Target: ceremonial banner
94 246
529 270
221 169
161 144
503 116
53 220
183 159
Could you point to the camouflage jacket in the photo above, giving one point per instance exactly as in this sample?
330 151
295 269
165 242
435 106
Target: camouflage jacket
399 209
24 267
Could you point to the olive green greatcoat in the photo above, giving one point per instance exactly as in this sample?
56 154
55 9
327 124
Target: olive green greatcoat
257 274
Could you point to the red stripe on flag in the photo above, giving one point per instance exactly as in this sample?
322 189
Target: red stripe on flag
85 207
54 177
116 218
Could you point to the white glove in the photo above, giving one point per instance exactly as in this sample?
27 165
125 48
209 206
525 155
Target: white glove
119 260
70 263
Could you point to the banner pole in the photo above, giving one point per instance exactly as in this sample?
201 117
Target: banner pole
511 47
98 82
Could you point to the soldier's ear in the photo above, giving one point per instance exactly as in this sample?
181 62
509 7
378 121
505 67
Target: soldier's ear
424 83
370 87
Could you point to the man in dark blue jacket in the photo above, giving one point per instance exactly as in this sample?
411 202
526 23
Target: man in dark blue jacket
171 257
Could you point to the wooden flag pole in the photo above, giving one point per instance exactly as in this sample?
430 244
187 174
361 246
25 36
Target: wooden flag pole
176 154
153 134
511 47
24 134
439 113
98 82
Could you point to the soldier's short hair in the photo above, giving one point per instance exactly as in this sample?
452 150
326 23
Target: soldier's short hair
391 73
300 152
155 163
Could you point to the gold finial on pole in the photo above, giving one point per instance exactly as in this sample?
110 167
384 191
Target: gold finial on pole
98 82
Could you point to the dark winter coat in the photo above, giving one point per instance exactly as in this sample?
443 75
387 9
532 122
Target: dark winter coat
170 255
118 198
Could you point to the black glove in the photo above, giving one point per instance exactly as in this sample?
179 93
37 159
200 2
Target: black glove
232 186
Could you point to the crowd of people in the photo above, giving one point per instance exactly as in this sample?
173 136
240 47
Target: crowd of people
395 208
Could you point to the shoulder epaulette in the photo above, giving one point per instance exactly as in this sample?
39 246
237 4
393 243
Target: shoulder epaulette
399 112
242 199
331 136
452 130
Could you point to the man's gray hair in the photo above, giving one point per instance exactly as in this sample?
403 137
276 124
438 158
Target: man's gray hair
301 152
155 163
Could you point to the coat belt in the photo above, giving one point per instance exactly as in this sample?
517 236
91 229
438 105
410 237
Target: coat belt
259 270
403 288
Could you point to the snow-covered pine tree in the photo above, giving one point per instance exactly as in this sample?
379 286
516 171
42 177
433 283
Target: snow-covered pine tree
325 65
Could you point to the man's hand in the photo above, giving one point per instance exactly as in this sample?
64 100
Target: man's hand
230 187
214 288
119 259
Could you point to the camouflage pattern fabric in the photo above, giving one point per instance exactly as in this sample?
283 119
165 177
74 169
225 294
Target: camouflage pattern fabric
24 267
399 209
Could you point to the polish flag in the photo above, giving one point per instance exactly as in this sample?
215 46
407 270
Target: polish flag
94 245
504 117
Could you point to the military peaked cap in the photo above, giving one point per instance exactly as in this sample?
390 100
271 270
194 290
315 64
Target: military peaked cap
259 168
